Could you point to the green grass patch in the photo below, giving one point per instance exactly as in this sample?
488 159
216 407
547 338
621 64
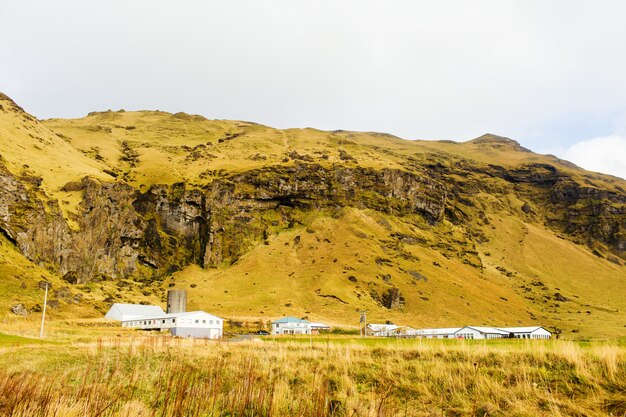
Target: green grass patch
8 339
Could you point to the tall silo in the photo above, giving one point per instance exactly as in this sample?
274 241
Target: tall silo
176 301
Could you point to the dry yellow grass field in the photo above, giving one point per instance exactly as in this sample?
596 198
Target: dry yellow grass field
130 374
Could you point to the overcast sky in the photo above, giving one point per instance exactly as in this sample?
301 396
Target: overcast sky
550 74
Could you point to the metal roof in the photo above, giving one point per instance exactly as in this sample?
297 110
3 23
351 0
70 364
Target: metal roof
290 320
521 329
320 325
173 315
481 329
137 309
490 330
444 330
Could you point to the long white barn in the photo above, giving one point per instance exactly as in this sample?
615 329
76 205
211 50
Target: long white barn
467 332
527 332
198 324
442 333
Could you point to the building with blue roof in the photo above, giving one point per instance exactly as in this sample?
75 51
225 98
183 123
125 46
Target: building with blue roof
291 325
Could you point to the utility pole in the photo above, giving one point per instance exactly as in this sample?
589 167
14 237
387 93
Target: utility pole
363 322
43 314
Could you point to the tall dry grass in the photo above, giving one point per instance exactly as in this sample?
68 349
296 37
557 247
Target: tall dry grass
161 376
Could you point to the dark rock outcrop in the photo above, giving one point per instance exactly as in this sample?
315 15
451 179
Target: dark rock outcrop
19 310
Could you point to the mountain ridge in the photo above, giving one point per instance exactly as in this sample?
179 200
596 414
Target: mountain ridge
246 217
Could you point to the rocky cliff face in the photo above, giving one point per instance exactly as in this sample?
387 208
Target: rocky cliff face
31 221
586 213
126 233
594 214
123 232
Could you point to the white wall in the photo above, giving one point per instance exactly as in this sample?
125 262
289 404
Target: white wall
469 333
541 334
199 324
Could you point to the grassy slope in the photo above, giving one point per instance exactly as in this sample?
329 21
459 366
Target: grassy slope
146 148
454 294
19 284
329 252
31 149
180 147
594 286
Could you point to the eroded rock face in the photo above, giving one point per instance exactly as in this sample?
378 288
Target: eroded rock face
312 186
233 206
587 213
595 214
34 225
125 233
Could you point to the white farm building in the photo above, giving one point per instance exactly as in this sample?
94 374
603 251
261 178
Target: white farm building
197 324
443 333
467 332
381 330
122 312
478 332
527 332
317 328
291 325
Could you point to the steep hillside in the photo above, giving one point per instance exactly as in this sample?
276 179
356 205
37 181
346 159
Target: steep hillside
258 222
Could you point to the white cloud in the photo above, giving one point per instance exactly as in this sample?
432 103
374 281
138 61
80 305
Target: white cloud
604 154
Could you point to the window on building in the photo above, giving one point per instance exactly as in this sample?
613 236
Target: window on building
203 321
197 321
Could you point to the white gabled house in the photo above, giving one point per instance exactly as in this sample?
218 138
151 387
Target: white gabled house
527 332
291 325
122 312
478 332
199 324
